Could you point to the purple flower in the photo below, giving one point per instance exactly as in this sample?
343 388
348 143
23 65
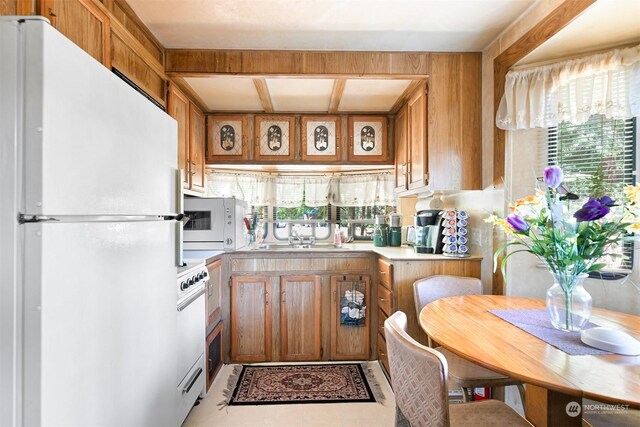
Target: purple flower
592 210
517 223
607 201
553 176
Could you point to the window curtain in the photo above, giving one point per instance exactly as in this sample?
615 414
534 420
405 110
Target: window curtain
574 90
363 190
289 191
316 190
257 190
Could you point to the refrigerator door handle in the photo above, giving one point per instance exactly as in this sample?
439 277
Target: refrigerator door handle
179 223
180 191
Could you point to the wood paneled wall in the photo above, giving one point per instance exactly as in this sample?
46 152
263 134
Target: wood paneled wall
194 62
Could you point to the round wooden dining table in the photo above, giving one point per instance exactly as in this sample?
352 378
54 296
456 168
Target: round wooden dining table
554 379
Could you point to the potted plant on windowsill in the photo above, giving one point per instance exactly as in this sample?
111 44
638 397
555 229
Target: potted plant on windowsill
569 243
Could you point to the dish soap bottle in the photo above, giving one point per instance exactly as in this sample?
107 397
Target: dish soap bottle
337 237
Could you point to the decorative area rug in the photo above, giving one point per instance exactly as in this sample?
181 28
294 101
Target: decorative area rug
283 384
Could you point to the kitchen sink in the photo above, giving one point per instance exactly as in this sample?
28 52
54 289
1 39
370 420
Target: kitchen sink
284 246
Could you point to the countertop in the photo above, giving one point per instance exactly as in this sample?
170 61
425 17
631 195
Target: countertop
402 253
207 256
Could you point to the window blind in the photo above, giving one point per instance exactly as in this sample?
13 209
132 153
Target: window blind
597 158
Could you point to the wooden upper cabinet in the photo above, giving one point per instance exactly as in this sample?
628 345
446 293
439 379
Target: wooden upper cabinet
368 139
454 121
178 108
82 22
320 138
300 318
250 318
401 124
417 133
130 64
274 138
227 138
196 148
350 338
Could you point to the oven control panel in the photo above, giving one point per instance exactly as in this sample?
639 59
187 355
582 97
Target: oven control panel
191 279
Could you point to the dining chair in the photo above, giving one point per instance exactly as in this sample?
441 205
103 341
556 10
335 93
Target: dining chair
466 375
419 381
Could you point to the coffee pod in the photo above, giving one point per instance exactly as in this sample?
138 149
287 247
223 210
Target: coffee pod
462 231
452 248
463 215
463 249
462 240
462 223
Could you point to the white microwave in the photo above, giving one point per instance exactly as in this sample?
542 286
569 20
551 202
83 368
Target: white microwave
214 223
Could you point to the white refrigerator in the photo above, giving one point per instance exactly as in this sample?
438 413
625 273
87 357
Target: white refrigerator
88 240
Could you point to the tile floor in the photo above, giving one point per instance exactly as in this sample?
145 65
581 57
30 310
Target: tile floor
209 414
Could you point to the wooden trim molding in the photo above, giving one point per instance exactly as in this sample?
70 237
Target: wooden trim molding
336 95
549 26
538 34
263 94
198 62
406 95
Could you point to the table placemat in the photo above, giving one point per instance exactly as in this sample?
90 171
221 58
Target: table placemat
537 323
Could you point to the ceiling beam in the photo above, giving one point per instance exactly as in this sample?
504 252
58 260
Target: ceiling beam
196 62
263 93
404 97
336 95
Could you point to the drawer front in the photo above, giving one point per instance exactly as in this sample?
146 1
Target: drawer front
385 273
384 299
382 353
382 316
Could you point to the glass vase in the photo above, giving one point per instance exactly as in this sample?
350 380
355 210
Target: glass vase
251 239
568 303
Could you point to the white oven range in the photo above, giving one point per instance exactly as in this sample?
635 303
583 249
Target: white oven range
190 375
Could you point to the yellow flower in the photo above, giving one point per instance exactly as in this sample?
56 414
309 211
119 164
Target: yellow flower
634 228
527 205
491 219
632 192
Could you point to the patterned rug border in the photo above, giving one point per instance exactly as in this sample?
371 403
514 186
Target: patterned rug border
371 384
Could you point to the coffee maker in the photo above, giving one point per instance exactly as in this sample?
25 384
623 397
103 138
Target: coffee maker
428 232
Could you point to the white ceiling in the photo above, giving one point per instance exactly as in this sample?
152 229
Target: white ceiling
606 23
224 93
377 25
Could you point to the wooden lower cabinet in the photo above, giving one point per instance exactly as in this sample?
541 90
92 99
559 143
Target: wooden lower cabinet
250 318
300 318
349 341
213 299
214 353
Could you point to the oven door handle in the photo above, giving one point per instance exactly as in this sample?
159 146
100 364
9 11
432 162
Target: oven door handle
192 381
184 304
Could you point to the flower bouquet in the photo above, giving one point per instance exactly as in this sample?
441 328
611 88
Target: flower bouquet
570 243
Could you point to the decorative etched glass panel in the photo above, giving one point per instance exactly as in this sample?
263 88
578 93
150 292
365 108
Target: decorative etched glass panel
367 138
274 138
227 137
321 138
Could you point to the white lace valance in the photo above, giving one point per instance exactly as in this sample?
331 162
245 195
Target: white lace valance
257 190
540 97
288 191
364 190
